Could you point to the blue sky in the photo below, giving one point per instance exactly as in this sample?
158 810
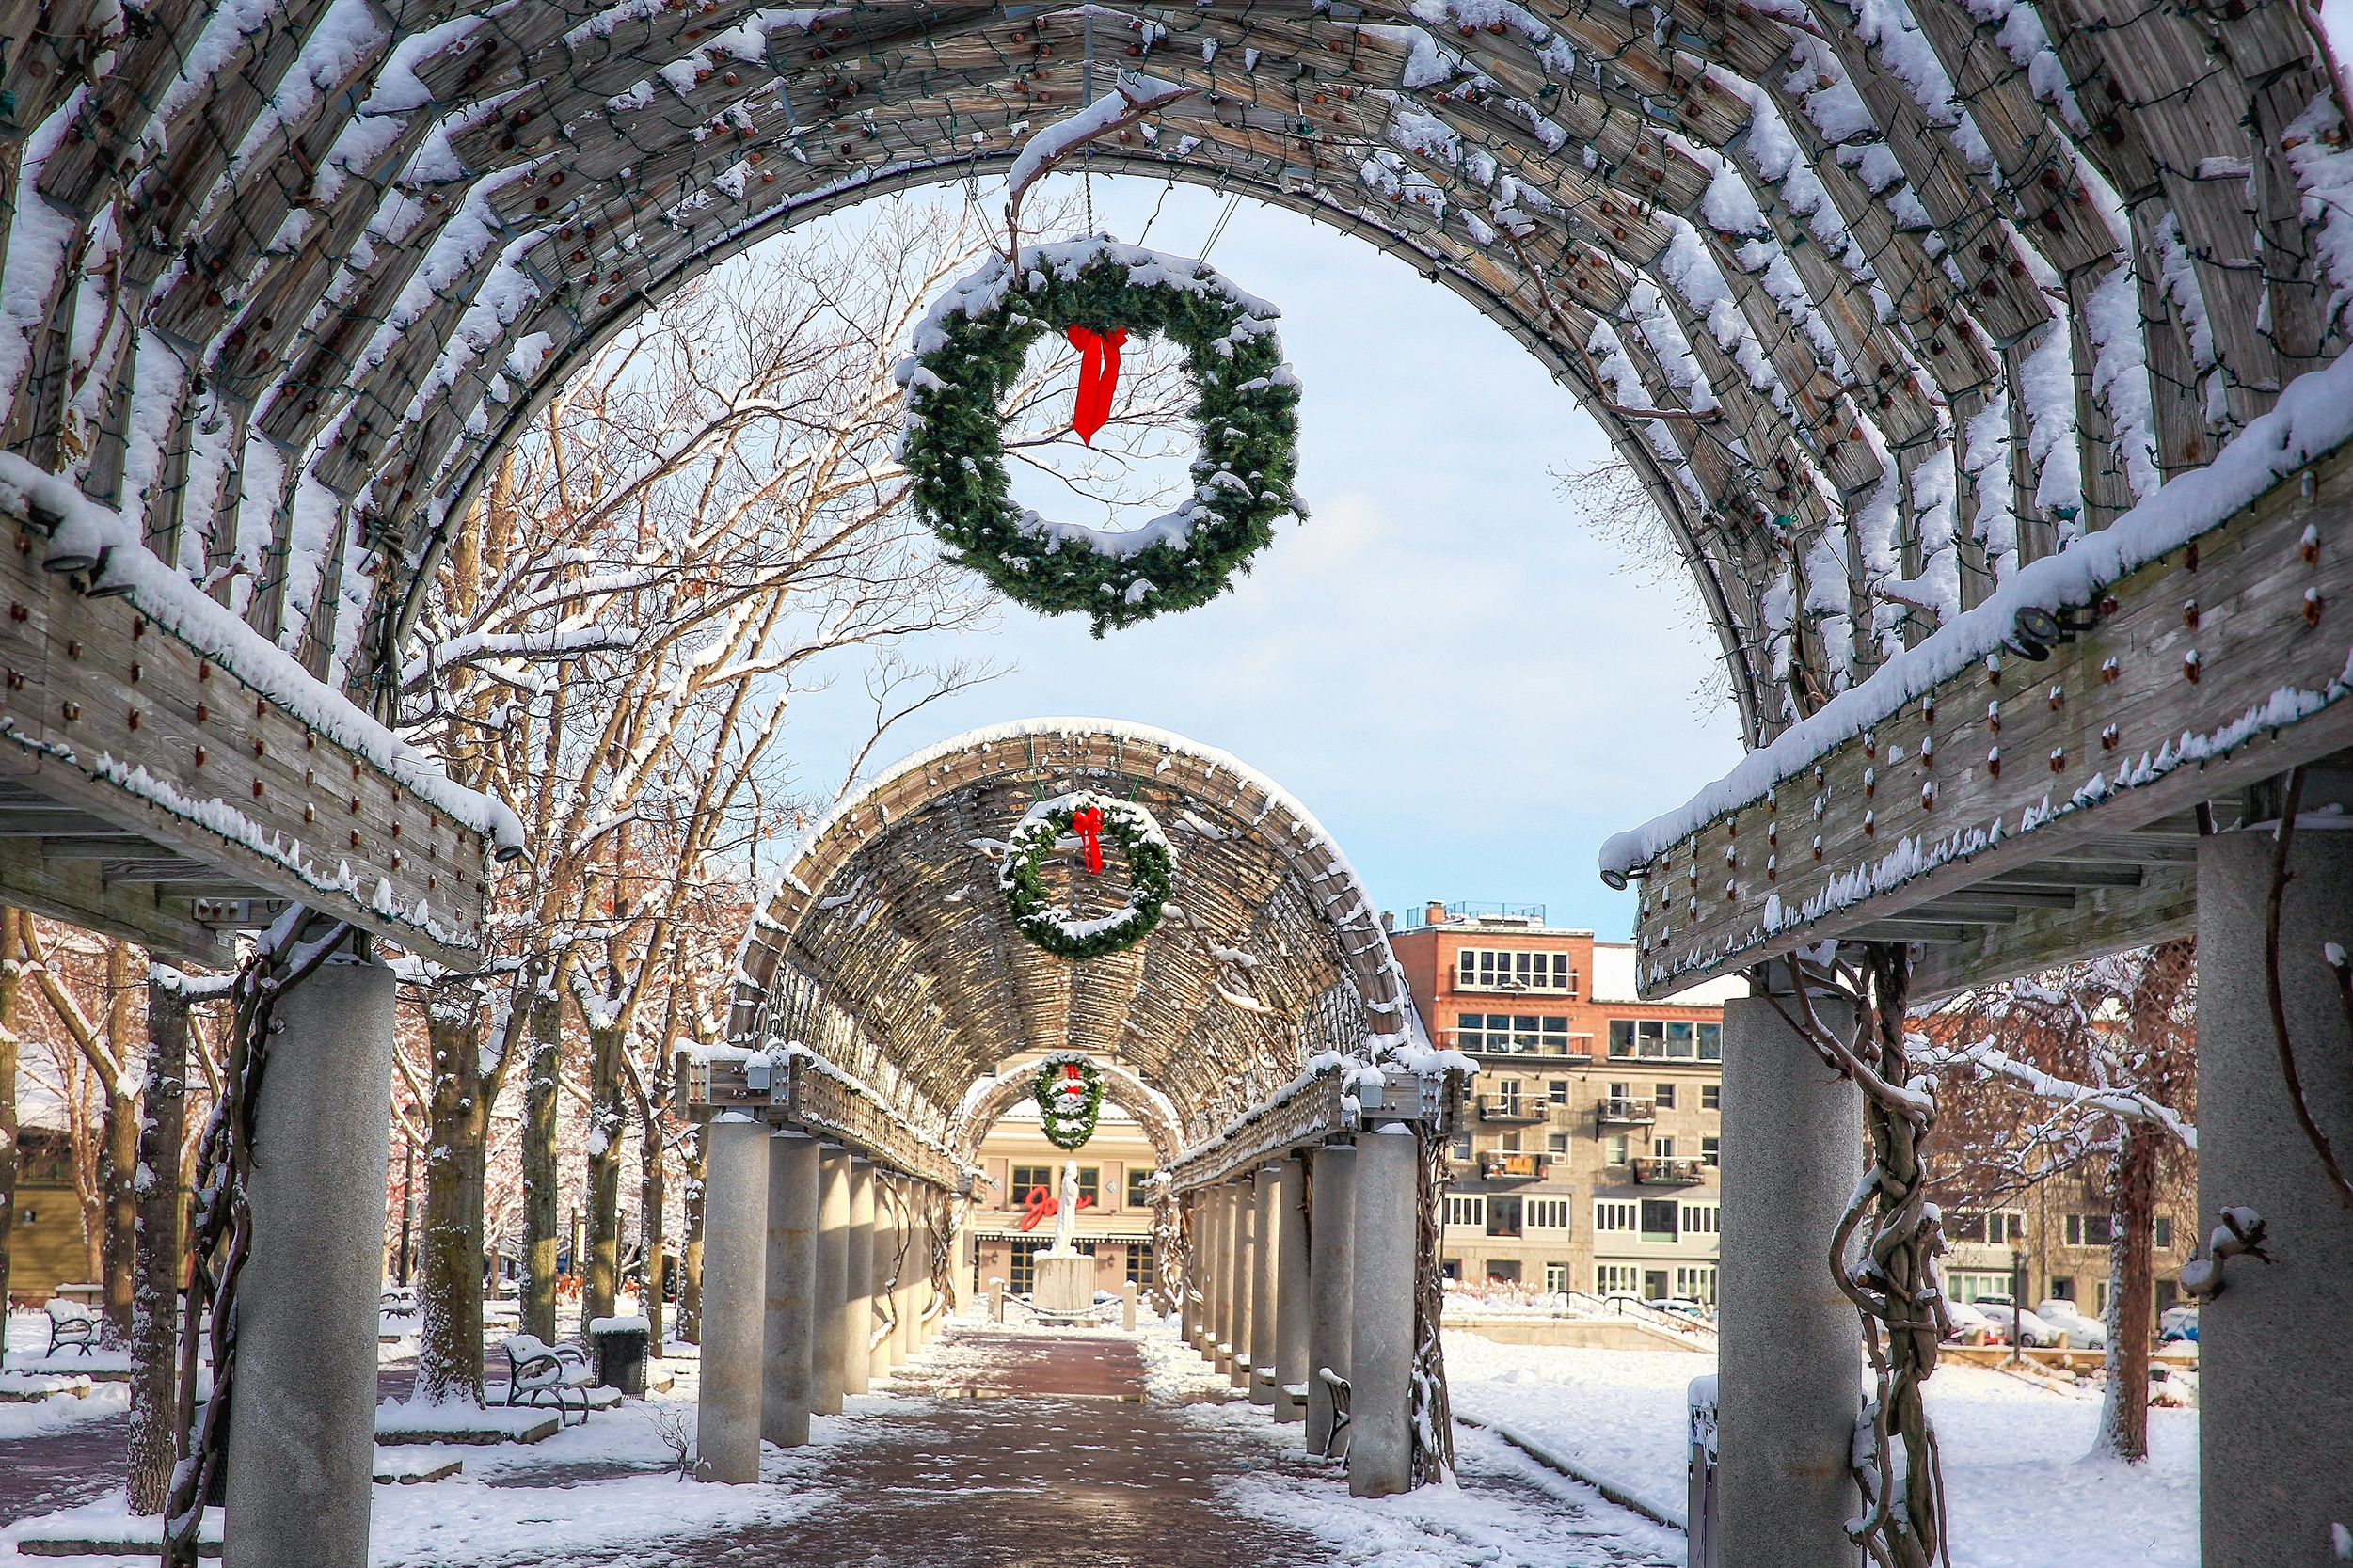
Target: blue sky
1467 688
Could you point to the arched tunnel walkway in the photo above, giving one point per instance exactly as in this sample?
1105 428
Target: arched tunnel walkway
1261 1033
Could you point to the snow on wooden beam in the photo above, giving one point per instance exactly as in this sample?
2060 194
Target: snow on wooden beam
2023 746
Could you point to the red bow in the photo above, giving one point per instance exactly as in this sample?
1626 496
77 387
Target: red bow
1086 822
1098 376
1042 1206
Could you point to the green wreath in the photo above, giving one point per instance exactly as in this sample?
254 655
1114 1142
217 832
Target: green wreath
1068 1102
1151 863
969 352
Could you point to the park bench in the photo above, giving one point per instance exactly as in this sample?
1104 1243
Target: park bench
538 1371
1339 1387
70 1323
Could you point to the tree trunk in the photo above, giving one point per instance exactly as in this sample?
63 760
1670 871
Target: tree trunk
541 1178
691 1248
449 1352
2131 1297
650 1198
119 1161
608 1120
11 979
156 1304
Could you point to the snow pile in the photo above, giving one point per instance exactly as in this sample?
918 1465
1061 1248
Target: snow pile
2312 417
2021 1492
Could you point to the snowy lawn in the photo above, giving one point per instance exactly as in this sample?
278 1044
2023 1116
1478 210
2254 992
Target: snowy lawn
47 1417
2021 1492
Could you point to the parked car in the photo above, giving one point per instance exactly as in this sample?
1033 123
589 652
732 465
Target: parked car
2031 1330
2178 1323
1968 1319
1678 1307
2087 1333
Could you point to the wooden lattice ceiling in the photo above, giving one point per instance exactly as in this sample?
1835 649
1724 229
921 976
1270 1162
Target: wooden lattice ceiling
889 948
1924 286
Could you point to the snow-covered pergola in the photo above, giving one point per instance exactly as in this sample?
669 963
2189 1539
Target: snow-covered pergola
1898 308
1259 1029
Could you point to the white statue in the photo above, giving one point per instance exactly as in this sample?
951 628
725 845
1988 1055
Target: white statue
1066 1211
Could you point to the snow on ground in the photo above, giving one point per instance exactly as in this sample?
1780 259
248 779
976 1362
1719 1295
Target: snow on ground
1174 1373
1504 1510
2021 1492
46 1418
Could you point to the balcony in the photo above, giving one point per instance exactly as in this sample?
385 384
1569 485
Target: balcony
1510 1107
1625 1113
1666 1173
1497 1164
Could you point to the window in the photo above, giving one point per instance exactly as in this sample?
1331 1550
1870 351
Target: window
1450 1268
1697 1283
1711 1151
1505 1269
1138 1188
1493 969
1664 1095
2010 1224
1509 1143
2063 1287
1711 1097
1611 1214
1547 1213
1700 1219
1557 1142
1556 1278
2165 1232
2090 1229
2169 1293
1513 1034
1471 1211
1556 1091
1507 1096
1711 1042
1616 1279
1460 1149
1503 1215
1143 1270
1027 1179
1621 1091
1022 1276
1977 1287
1617 1148
1682 1041
1658 1219
1662 1148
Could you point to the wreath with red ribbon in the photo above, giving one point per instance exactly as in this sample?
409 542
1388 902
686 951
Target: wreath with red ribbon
1069 1091
1088 818
1099 296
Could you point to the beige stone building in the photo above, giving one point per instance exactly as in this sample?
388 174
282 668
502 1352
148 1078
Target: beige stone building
1589 1163
1114 1223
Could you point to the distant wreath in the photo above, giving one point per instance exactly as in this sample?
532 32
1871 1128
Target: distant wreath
1069 1091
1099 294
1088 815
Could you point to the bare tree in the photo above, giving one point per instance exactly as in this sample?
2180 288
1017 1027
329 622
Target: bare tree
2089 1067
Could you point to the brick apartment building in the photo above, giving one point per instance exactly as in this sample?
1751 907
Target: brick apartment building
1590 1163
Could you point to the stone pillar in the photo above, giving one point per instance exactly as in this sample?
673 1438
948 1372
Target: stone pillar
735 1298
1242 1280
2275 1407
1380 1362
1291 1299
1189 1223
831 1295
858 1300
793 1211
1217 1274
1263 1223
302 1418
1331 1254
1127 1307
1790 1355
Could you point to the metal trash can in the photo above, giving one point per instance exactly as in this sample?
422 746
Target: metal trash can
621 1344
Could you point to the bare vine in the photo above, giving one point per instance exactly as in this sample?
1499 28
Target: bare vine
223 1228
1433 1412
2281 878
1893 1279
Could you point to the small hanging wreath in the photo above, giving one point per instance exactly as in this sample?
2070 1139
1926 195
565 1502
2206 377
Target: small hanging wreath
1069 1091
969 352
1088 815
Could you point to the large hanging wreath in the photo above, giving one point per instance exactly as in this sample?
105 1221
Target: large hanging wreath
1069 1091
1089 817
969 352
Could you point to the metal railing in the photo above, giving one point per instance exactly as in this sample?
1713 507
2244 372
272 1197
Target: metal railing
1626 1112
1512 1107
1666 1172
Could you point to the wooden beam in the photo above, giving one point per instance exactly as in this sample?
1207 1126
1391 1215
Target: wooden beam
77 892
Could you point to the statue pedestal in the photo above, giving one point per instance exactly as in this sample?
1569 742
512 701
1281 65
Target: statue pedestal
1066 1281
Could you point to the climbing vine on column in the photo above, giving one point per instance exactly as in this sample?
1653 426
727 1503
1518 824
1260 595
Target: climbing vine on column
1892 1276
